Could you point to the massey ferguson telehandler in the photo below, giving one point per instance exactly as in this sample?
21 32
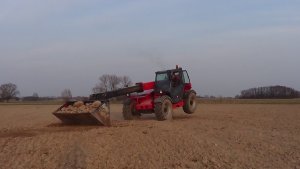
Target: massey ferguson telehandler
171 89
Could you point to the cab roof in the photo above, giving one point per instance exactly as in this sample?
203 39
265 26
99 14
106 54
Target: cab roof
168 71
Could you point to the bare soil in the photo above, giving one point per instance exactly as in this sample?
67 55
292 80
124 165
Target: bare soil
216 136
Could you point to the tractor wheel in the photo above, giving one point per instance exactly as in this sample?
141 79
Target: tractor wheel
190 102
163 108
129 109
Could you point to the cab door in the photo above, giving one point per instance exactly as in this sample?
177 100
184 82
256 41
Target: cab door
177 86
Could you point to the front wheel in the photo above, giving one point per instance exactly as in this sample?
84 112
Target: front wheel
190 102
129 109
163 108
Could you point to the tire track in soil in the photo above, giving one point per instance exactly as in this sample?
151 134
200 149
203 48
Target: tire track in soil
75 158
32 132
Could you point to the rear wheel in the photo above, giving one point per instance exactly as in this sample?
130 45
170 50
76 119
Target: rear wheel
129 110
190 102
163 108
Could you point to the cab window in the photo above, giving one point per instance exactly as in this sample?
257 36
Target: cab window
161 77
186 78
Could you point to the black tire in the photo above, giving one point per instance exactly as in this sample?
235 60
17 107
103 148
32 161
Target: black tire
163 108
190 102
129 109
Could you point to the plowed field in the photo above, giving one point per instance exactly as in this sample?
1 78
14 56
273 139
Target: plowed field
216 136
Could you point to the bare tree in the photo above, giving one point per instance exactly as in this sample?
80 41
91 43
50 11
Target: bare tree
8 91
104 81
107 83
125 81
114 82
102 86
66 94
99 89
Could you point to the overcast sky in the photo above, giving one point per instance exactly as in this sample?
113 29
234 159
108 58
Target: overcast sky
49 45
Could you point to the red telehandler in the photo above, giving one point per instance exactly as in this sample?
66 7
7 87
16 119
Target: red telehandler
171 89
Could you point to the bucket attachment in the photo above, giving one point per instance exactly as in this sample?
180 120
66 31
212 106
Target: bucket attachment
85 113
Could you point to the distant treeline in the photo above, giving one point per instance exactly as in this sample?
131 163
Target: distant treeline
270 92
